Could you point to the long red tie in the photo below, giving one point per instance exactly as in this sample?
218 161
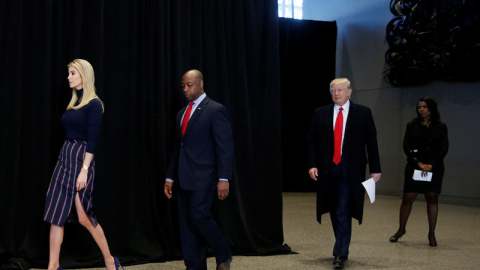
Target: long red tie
337 150
186 117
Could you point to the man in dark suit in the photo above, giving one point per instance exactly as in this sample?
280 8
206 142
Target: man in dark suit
341 135
201 161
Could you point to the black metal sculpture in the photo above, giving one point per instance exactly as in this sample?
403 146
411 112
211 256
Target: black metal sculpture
433 40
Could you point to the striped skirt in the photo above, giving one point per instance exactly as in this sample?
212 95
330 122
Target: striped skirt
62 190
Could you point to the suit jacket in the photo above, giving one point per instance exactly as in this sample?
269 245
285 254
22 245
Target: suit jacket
360 140
205 152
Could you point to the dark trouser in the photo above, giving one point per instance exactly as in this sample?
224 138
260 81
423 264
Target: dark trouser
198 229
341 216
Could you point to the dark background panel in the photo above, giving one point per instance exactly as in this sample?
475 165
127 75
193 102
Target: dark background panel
307 57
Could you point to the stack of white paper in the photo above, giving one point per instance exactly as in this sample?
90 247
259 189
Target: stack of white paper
369 185
417 176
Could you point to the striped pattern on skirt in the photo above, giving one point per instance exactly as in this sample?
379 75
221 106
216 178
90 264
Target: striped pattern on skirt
62 190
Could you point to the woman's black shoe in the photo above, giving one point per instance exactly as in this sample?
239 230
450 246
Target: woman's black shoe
432 241
397 236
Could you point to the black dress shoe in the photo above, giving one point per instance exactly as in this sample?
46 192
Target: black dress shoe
397 236
339 262
224 265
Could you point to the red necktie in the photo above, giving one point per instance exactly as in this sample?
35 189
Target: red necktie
337 150
186 117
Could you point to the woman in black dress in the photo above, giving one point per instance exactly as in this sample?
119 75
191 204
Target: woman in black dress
72 181
425 144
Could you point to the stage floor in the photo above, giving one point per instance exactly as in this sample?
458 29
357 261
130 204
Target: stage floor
458 237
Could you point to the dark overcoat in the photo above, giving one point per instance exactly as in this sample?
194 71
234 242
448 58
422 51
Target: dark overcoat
359 148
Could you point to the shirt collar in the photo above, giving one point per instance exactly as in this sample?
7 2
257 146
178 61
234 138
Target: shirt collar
345 107
200 98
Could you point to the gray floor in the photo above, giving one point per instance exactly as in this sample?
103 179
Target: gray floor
458 237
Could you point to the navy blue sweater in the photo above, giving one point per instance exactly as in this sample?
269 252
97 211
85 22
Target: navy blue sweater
84 124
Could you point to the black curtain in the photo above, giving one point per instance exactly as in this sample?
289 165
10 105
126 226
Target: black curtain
139 50
307 61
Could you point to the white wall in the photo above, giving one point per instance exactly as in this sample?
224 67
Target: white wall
361 48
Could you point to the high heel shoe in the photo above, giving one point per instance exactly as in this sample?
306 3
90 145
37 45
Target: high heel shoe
59 268
397 236
432 241
117 264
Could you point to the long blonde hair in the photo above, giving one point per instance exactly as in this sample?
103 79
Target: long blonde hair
88 83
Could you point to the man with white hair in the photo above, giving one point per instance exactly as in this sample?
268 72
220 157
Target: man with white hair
341 137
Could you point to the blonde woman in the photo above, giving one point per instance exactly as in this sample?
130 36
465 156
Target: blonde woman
72 182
